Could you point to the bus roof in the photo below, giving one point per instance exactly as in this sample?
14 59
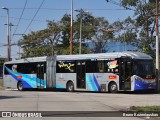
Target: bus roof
133 55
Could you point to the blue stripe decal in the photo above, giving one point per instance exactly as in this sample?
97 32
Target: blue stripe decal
90 83
15 74
28 81
59 86
96 83
93 84
139 85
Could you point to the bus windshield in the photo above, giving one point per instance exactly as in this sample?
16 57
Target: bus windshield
143 68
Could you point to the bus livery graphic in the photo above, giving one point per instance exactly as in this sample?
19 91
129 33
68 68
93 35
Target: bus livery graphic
110 72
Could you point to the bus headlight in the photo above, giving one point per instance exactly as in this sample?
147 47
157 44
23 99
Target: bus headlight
139 79
144 80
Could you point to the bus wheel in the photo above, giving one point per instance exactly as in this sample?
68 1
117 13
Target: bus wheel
20 86
113 87
70 87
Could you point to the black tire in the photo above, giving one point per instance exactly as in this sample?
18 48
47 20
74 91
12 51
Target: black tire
20 86
113 87
70 87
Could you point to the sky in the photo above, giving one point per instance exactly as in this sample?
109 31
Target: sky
49 10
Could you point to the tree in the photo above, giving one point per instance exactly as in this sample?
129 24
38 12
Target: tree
65 36
126 31
41 43
55 38
65 22
66 51
93 31
54 35
87 26
144 11
101 37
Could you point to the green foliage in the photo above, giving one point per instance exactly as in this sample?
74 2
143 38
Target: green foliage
65 22
127 3
145 108
101 36
40 43
1 84
126 30
56 37
144 23
66 50
87 27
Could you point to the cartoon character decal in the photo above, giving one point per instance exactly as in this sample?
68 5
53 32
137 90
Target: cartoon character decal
112 64
14 68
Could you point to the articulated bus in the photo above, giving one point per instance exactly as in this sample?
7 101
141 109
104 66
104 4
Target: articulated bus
104 72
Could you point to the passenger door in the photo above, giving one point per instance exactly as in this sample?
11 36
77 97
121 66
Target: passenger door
125 73
40 75
81 70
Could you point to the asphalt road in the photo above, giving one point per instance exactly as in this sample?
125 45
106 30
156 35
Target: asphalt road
13 100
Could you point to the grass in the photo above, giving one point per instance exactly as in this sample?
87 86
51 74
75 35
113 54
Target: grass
1 84
145 108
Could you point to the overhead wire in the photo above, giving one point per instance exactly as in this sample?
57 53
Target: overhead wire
34 16
65 9
119 4
20 18
6 45
33 19
24 19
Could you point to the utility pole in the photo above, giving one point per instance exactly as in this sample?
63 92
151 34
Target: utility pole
80 42
157 47
71 31
10 28
124 40
8 38
81 13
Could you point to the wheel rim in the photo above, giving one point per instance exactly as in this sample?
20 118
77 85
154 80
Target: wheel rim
114 87
70 87
20 86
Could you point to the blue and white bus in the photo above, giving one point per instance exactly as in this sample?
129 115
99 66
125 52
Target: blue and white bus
110 72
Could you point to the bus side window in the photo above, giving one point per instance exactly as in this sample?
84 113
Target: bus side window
8 66
91 66
5 71
129 69
101 66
